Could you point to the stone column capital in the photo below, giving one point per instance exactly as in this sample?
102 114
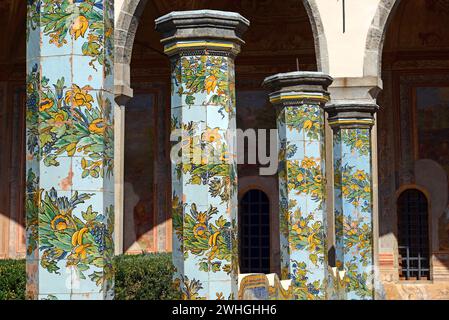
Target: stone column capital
351 114
353 102
201 31
296 88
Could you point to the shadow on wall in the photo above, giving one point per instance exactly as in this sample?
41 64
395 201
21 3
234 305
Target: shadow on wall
12 138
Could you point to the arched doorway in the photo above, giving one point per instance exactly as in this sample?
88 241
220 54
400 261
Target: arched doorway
413 125
413 235
254 216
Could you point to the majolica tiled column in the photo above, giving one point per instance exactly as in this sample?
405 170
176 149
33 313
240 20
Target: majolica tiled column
202 46
300 97
69 124
353 197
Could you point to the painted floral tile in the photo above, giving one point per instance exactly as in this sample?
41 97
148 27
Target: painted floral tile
302 223
69 137
353 186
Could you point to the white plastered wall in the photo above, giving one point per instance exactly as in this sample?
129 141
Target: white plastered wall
346 51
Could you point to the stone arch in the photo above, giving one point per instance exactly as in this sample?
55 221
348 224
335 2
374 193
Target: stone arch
319 36
372 65
128 21
125 30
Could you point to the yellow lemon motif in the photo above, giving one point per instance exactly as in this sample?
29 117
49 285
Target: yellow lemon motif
308 124
211 84
79 27
97 126
82 251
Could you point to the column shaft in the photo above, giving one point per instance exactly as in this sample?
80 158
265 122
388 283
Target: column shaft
353 211
204 168
353 199
300 98
70 139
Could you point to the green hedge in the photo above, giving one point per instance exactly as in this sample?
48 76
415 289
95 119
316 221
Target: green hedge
137 277
12 279
144 277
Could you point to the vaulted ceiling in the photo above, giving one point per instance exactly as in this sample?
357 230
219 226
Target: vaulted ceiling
280 32
418 30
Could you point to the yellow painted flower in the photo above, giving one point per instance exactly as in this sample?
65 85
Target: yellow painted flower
212 135
46 104
354 187
199 230
318 178
367 189
59 223
360 175
59 117
308 124
300 177
79 27
345 190
297 229
210 84
307 163
359 144
79 96
97 126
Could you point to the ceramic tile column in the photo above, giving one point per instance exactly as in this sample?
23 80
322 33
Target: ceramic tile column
299 98
202 46
353 197
69 149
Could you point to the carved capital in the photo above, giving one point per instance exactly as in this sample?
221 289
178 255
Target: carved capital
296 88
201 31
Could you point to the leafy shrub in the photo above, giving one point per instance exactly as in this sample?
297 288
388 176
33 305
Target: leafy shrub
12 279
144 277
137 277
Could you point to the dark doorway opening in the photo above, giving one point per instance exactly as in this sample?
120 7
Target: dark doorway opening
413 236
